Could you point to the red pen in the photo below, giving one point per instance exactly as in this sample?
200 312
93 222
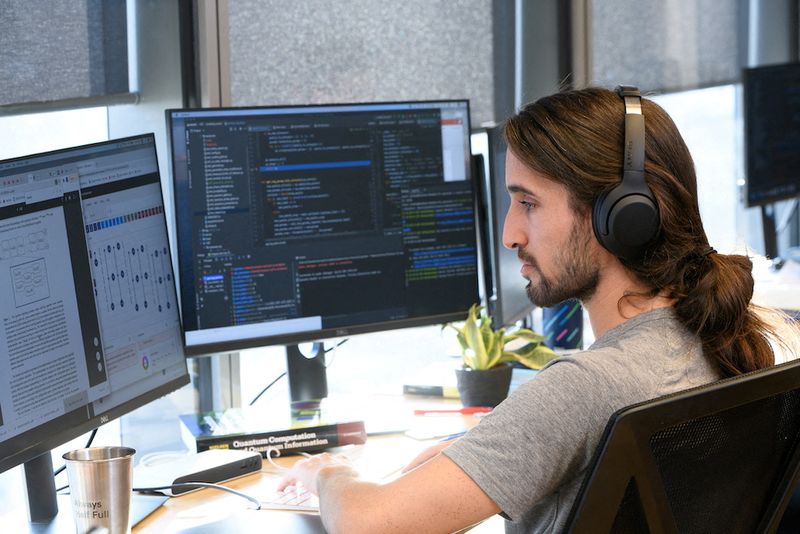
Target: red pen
465 410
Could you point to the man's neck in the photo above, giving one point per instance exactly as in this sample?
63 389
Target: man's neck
607 308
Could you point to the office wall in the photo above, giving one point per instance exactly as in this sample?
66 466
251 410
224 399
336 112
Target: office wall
318 51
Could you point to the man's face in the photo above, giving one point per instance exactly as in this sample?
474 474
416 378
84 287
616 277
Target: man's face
556 245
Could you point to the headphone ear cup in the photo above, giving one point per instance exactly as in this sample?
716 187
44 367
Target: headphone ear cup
624 222
600 219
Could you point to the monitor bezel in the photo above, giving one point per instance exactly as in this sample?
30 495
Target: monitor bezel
209 349
44 440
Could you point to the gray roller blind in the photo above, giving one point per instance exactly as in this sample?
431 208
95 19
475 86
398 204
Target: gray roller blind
54 50
322 51
666 44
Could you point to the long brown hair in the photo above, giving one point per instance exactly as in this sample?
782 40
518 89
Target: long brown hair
575 138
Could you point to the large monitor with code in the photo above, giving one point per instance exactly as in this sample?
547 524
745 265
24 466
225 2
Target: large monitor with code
308 222
90 326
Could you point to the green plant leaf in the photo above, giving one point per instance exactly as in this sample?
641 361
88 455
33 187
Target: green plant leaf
496 351
474 339
525 334
482 347
533 356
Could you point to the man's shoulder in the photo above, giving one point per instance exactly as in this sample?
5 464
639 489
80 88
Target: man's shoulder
649 354
653 333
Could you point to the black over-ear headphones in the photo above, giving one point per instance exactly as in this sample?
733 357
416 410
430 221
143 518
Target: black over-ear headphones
625 219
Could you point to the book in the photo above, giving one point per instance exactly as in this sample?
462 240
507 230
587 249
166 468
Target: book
302 430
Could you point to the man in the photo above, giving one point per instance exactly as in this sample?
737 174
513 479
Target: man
668 313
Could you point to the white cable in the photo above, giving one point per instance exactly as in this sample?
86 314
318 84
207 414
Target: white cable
270 450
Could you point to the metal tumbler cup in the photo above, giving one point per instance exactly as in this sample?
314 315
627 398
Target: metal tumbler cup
100 484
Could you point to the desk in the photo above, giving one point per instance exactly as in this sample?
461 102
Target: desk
777 289
214 511
211 511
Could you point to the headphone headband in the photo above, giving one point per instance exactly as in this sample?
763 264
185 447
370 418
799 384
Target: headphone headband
625 219
633 156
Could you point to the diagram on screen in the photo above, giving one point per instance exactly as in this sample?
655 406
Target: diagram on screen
131 277
29 281
28 245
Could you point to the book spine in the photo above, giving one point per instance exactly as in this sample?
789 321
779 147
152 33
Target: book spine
280 443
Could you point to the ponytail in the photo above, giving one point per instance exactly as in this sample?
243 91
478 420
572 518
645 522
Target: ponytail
712 293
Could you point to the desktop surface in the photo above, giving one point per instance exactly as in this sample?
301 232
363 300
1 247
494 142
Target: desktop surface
14 517
380 458
208 510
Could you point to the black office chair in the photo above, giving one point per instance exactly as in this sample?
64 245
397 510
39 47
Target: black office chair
723 457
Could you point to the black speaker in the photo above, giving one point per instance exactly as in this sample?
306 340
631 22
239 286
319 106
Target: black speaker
625 219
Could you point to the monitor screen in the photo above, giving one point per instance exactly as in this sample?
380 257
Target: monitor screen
772 132
90 325
308 222
506 297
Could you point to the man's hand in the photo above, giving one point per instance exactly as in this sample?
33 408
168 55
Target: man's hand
306 472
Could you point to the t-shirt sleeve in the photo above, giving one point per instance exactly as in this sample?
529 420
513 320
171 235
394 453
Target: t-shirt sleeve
537 438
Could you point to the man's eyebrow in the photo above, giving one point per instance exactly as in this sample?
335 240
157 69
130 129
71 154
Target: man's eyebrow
513 188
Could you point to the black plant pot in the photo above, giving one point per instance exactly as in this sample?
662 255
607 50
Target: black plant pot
483 388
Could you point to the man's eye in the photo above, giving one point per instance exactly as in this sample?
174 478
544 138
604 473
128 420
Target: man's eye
528 205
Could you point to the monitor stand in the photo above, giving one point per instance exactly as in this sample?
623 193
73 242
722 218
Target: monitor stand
41 489
307 374
770 232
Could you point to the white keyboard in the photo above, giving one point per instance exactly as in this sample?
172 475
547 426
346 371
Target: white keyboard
293 498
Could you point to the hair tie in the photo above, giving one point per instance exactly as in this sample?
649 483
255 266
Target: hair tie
706 252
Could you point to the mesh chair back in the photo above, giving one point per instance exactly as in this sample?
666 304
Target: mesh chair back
719 458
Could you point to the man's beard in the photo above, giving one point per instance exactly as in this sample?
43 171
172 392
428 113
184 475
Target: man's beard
577 272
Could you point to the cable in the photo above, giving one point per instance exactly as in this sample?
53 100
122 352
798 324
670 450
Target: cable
326 351
267 387
271 450
195 485
88 444
339 344
201 485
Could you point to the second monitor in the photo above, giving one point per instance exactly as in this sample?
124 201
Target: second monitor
506 296
308 222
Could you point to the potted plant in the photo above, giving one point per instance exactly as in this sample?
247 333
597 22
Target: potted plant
485 374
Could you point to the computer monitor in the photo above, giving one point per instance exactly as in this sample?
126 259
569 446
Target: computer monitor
772 143
302 223
505 294
90 324
772 135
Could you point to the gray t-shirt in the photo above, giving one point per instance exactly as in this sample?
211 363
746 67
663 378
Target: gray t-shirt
531 453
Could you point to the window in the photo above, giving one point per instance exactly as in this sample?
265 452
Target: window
708 120
21 135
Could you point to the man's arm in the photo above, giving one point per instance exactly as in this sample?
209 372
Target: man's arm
435 497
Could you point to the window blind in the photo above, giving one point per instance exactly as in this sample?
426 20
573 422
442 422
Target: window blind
53 50
666 44
318 51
